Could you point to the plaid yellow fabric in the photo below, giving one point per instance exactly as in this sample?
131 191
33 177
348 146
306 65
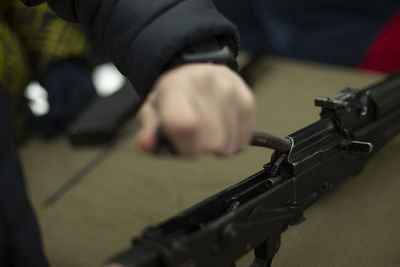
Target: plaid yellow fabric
15 74
46 37
31 40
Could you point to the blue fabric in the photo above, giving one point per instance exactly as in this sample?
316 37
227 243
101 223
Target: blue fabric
20 244
331 31
70 88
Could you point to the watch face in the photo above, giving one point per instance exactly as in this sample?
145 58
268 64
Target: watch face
32 2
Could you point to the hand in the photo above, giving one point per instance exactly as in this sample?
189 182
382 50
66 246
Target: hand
204 108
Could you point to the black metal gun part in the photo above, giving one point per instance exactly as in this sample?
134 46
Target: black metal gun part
253 213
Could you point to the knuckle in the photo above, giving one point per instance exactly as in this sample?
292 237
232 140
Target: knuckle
225 85
216 144
202 78
221 146
248 103
226 89
184 127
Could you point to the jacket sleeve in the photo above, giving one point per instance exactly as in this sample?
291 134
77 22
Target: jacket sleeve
142 36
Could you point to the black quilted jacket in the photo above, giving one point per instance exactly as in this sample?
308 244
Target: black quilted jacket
142 36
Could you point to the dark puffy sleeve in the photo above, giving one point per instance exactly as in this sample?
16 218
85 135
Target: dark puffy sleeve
142 36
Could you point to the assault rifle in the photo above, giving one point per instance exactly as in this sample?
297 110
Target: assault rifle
255 212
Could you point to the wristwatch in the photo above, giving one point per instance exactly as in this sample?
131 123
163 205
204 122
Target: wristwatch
213 50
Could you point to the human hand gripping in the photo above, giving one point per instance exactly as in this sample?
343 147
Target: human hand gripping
203 108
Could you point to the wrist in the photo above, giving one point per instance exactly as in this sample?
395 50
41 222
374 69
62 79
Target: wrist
213 50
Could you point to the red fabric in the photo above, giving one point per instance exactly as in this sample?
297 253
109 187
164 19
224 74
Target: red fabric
384 54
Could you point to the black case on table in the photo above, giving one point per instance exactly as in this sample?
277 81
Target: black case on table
101 120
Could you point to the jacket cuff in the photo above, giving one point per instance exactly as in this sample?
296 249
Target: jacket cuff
165 37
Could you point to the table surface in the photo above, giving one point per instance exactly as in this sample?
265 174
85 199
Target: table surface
355 225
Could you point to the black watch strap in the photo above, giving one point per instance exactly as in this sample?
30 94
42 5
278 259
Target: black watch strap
208 51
